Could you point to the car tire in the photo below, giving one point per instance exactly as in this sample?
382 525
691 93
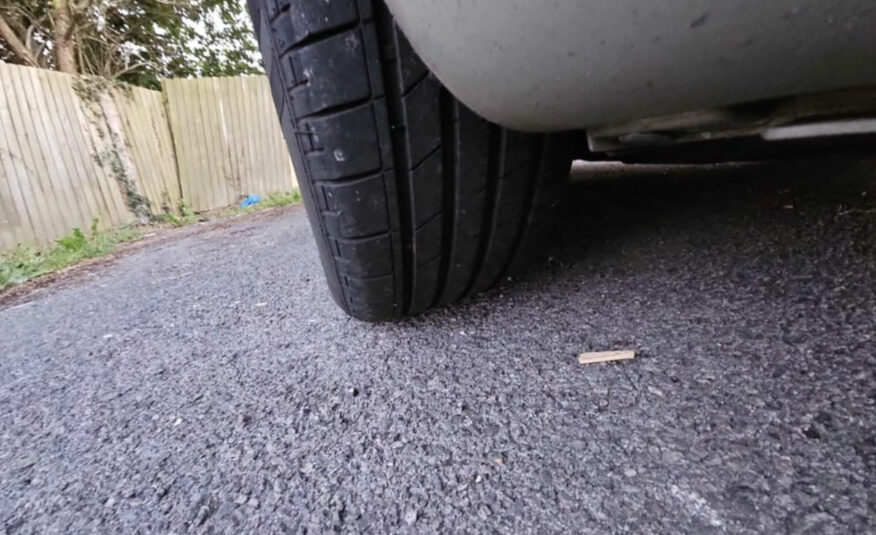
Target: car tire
414 200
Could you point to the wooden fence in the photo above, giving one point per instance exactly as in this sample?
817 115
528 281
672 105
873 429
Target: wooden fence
77 148
228 141
53 178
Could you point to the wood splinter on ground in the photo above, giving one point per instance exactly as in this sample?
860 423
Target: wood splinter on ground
592 357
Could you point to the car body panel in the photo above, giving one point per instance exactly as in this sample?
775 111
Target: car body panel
552 65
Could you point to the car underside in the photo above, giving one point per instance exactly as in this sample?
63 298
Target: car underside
640 77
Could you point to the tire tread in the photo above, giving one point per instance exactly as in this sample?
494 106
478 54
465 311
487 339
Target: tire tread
415 201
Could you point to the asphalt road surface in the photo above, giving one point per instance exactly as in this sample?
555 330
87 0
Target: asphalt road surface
207 383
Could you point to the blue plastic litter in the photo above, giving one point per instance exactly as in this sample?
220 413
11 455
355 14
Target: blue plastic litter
251 200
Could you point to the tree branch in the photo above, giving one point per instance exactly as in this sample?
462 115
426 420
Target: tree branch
129 68
21 51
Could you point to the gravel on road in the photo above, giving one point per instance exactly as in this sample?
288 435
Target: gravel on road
208 383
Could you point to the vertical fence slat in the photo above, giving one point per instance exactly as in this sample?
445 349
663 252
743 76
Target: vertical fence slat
52 182
210 110
70 155
81 134
18 217
44 228
248 161
223 142
133 139
205 175
258 100
99 147
257 171
177 128
155 120
255 99
80 206
80 159
238 154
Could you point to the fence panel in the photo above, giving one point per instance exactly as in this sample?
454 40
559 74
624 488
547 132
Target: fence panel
227 139
51 176
144 118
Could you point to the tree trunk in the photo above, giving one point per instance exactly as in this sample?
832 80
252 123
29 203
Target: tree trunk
65 53
16 45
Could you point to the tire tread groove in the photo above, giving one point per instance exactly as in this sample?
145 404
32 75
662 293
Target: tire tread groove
418 202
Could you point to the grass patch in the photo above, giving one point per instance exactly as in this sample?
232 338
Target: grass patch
175 220
25 263
273 201
281 199
183 218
